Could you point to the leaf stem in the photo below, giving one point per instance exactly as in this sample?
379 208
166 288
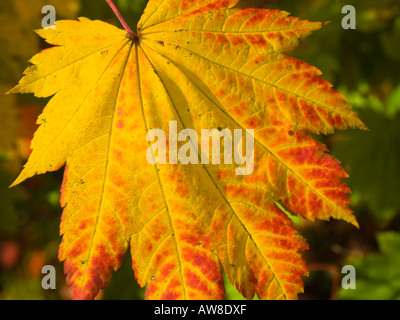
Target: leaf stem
121 19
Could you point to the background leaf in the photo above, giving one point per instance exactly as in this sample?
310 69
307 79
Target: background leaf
363 64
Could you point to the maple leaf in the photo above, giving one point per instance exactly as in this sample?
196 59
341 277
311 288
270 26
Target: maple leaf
203 64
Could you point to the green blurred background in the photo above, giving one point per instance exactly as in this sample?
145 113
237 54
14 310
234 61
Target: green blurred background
364 64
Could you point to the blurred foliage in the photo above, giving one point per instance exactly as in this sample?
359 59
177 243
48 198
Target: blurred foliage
372 283
364 64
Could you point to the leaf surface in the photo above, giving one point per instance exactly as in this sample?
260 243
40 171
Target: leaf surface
203 64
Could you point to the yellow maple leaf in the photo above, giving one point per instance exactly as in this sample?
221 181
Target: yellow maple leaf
200 65
17 40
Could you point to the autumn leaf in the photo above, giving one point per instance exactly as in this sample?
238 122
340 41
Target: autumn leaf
203 64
